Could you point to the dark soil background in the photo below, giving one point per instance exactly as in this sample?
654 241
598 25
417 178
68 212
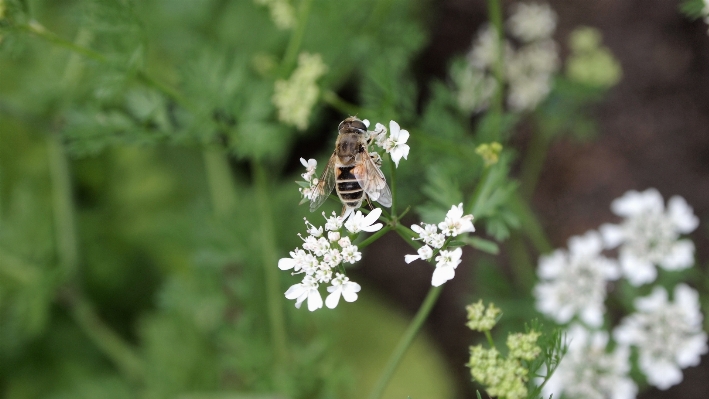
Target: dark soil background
653 132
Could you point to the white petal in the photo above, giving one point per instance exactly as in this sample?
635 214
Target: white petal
349 293
403 137
441 275
656 300
587 244
637 271
613 235
411 258
295 291
682 215
333 299
550 266
660 373
692 350
286 263
687 298
394 130
304 162
592 315
629 204
372 228
681 256
314 300
366 123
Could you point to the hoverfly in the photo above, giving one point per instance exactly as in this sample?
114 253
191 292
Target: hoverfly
352 171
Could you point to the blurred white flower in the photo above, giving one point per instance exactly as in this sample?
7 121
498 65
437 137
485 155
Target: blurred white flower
483 53
475 88
379 135
649 235
310 166
396 143
341 286
455 223
573 283
294 98
668 335
446 263
532 21
308 289
358 222
350 254
282 12
588 371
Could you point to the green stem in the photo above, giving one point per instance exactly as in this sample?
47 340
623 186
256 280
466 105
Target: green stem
392 167
406 341
64 227
374 237
106 339
532 164
498 69
331 98
490 341
296 38
268 251
481 191
219 179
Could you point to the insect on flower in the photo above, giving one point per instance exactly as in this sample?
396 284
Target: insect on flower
352 171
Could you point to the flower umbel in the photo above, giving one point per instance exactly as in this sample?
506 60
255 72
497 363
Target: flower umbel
296 96
480 318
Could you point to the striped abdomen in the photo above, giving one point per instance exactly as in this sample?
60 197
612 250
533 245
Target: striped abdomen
347 187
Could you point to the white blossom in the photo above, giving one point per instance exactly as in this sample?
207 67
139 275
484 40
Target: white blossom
396 145
307 289
588 371
484 51
650 234
341 286
333 235
455 223
446 263
333 223
379 135
310 166
573 283
424 253
531 21
668 335
358 222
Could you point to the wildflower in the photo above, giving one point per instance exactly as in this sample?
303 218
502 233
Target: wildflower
588 371
296 96
310 166
282 12
424 253
350 254
649 235
573 283
524 346
475 88
455 223
490 153
446 263
484 51
333 235
531 21
333 223
308 289
358 222
379 135
341 286
501 377
429 235
480 318
668 335
396 143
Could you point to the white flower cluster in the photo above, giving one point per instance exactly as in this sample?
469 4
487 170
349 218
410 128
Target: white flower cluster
447 261
296 96
394 145
573 288
282 12
649 235
324 255
307 189
528 69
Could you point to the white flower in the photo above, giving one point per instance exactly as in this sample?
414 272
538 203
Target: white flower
333 223
312 230
447 262
424 253
307 289
573 283
350 254
344 242
333 236
310 166
429 234
588 371
358 222
483 54
341 285
455 223
532 21
668 335
396 143
649 235
379 135
332 258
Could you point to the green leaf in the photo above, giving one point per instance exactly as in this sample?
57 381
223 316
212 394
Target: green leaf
484 245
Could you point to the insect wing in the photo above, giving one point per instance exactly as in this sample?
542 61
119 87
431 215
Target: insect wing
325 185
372 180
